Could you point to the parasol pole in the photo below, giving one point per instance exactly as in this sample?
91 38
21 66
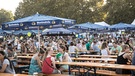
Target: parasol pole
39 38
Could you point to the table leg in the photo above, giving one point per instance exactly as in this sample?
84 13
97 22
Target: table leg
69 70
94 71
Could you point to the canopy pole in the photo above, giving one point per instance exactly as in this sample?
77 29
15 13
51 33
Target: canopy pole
39 39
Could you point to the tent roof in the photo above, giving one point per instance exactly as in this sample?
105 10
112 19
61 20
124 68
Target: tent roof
37 17
133 23
56 30
102 23
122 26
89 25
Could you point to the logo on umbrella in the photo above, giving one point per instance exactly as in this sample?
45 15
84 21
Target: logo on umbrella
72 22
6 25
51 26
21 24
33 23
63 21
41 27
53 22
26 28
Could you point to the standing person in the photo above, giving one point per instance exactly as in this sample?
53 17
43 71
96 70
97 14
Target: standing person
123 58
6 65
19 46
49 62
35 64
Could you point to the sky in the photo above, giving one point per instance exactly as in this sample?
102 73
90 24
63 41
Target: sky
9 5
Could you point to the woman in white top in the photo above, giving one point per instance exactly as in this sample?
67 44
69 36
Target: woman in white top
83 49
65 57
104 49
72 49
6 65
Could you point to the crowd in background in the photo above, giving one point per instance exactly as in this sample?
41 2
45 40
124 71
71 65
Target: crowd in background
122 45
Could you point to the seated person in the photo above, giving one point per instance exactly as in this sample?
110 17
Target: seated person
64 58
116 48
35 64
49 62
6 65
104 49
58 56
83 49
123 58
96 48
72 49
9 52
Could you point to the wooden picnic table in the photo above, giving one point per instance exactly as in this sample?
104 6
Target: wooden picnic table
97 65
98 56
27 54
95 59
25 57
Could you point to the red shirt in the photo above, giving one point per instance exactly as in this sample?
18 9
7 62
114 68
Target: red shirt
46 68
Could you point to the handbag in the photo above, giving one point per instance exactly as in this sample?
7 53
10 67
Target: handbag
49 65
53 68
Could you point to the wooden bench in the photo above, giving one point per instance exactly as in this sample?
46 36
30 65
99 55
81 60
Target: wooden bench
7 74
109 73
41 74
58 75
101 72
21 68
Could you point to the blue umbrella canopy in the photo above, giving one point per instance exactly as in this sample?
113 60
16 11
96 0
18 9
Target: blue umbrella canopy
34 22
1 32
4 32
57 31
66 21
89 26
121 26
23 32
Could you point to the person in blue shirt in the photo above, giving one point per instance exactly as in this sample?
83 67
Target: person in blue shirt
95 48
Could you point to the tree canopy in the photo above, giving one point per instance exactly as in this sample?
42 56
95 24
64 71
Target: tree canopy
113 11
80 10
5 16
119 11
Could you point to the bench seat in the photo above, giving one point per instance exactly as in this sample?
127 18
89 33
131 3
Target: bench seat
101 72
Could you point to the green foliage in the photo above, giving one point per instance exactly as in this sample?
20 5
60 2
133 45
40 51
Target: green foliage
80 10
119 11
5 16
114 11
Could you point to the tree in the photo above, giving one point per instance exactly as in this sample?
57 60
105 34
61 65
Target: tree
5 16
80 10
119 11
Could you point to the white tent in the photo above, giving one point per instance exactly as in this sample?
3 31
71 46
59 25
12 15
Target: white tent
133 23
102 23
